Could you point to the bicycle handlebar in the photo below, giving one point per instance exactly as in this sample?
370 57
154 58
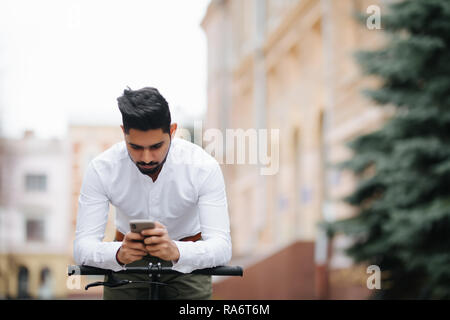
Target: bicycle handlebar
217 271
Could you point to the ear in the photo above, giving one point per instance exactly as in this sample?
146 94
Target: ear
123 130
173 128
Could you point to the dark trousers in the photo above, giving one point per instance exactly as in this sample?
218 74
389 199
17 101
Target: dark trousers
175 286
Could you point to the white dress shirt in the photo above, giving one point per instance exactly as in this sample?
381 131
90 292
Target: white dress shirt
188 197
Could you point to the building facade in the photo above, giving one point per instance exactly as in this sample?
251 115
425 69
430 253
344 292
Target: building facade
34 217
288 65
40 181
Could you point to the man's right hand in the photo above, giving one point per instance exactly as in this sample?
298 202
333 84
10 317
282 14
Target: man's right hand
132 248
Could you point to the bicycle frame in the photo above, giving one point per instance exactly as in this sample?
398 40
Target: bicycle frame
154 272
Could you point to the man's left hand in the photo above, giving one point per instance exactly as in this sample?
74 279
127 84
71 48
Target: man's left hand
158 243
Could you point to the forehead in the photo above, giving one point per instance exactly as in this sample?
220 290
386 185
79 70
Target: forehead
145 138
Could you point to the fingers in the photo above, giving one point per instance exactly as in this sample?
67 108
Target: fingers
158 243
138 253
154 232
134 248
135 245
153 250
135 254
156 247
159 230
164 251
154 240
128 255
133 236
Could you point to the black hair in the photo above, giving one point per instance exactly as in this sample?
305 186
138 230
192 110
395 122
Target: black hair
144 109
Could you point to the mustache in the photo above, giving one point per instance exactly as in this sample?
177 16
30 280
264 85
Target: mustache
147 164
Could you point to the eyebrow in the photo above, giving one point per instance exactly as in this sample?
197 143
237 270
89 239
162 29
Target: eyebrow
138 146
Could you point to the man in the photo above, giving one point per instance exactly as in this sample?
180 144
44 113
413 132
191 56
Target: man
154 176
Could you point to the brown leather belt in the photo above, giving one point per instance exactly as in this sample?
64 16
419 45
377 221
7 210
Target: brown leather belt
198 236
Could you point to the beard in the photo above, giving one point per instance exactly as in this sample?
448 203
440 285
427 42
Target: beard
149 171
158 165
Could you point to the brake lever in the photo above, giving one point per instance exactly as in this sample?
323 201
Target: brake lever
107 284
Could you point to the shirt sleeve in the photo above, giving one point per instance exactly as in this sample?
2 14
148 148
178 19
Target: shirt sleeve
215 247
93 208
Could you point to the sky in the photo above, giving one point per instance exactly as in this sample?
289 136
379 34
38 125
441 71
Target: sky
64 62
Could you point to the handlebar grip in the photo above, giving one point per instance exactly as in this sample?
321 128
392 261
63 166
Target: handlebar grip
86 270
221 271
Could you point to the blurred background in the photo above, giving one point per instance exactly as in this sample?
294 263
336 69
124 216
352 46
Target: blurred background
274 64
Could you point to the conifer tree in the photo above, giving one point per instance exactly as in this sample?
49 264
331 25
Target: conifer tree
403 169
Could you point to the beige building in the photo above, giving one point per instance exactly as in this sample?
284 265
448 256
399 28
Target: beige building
34 217
288 65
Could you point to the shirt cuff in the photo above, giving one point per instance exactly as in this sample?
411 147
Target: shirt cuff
110 261
183 265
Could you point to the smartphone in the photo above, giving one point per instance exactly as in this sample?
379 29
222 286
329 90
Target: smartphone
138 225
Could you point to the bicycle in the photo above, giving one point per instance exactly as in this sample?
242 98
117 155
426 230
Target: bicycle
154 272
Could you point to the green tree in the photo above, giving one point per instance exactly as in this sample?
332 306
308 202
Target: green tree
403 169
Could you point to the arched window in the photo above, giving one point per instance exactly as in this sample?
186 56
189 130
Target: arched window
45 284
22 290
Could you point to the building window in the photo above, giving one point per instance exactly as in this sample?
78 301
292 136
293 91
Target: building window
45 288
35 182
35 229
22 283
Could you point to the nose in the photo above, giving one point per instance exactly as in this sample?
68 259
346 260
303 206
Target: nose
147 156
